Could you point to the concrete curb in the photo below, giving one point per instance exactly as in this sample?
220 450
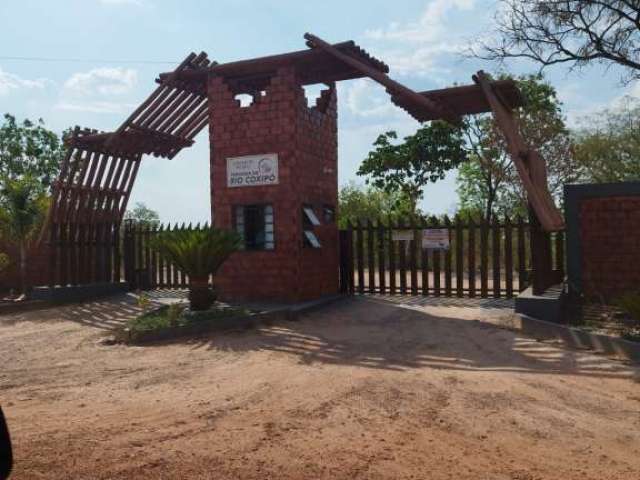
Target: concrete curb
49 297
24 306
575 338
290 313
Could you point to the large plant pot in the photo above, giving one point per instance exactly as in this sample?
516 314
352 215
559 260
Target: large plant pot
201 296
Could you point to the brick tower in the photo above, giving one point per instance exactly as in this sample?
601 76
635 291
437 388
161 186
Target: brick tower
274 180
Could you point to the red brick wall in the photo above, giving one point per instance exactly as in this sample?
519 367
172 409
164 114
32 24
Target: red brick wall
305 140
610 240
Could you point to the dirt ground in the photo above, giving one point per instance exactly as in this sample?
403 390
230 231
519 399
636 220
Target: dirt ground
364 389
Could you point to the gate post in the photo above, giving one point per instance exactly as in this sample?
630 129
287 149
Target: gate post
346 261
541 259
128 246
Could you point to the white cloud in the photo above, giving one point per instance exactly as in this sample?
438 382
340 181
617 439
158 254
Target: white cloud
582 108
95 106
367 99
102 81
429 28
10 82
415 48
100 90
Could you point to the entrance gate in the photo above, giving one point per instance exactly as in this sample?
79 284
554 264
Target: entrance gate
482 260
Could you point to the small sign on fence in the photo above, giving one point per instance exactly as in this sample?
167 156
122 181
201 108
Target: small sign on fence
402 235
435 239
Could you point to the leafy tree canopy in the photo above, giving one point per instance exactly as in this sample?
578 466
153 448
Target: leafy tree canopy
489 182
143 214
29 149
406 167
608 144
357 203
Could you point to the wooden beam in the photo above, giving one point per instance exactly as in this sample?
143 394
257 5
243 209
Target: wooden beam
470 99
529 164
306 59
396 89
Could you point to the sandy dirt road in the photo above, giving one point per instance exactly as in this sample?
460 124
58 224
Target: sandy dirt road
364 389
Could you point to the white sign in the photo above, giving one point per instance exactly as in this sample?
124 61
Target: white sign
252 170
435 238
402 235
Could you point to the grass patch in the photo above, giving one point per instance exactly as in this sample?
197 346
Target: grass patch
177 315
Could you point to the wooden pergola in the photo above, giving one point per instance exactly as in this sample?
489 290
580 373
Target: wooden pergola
96 177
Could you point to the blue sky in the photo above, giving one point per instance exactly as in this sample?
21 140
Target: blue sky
116 40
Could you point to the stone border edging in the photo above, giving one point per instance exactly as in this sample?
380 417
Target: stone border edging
240 322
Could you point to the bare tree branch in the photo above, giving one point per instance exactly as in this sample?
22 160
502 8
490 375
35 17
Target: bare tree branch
574 32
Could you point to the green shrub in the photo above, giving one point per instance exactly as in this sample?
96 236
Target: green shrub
174 315
630 303
198 253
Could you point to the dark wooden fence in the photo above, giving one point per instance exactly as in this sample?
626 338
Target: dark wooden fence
82 254
483 260
143 267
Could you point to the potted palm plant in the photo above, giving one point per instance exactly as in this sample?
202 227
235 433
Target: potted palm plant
198 253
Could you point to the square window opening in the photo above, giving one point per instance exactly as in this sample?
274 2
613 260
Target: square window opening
254 223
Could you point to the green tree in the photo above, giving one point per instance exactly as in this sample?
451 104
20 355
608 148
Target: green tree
408 166
30 157
607 144
28 149
143 214
369 203
489 184
23 205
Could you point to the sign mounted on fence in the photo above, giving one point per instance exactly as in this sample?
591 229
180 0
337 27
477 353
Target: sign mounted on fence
402 235
435 238
252 170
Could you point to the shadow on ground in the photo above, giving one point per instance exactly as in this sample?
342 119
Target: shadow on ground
370 333
114 312
391 333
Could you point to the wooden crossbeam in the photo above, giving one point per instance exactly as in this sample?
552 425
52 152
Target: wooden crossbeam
396 89
256 69
135 140
163 137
